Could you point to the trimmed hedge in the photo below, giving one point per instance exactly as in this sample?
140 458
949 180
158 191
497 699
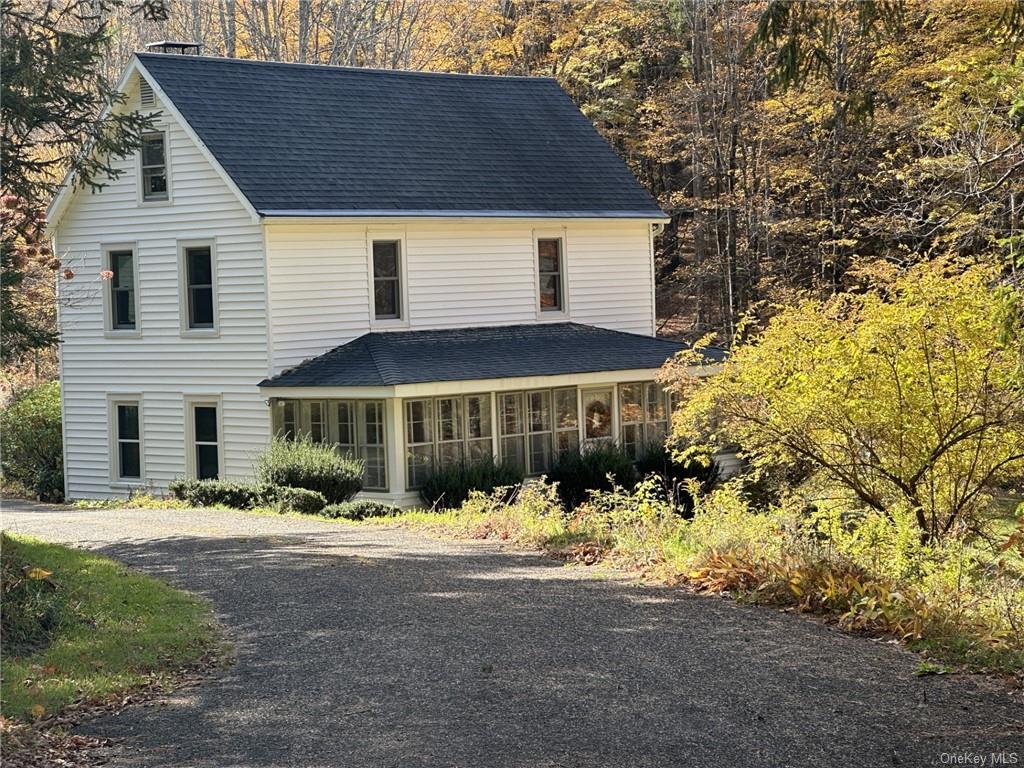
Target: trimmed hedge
309 465
31 444
580 472
208 493
300 500
448 487
359 510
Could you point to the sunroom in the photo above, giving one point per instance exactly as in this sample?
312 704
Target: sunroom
409 402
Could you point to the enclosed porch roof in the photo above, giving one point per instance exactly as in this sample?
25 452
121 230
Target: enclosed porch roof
493 352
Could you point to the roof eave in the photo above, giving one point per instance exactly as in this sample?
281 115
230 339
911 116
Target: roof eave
284 215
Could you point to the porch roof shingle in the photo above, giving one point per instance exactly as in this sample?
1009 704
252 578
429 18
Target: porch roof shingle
493 352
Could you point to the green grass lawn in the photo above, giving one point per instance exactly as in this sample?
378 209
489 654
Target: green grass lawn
91 629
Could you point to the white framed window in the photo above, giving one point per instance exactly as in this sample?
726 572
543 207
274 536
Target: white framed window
127 456
444 431
644 409
551 274
597 414
121 294
372 450
197 270
566 420
538 426
512 429
419 442
356 428
203 434
154 179
388 305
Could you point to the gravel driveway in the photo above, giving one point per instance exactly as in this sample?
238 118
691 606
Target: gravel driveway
370 646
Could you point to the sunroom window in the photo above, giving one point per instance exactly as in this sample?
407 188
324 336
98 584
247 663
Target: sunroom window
445 431
643 416
355 427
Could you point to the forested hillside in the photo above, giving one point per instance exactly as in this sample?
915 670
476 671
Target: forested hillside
788 141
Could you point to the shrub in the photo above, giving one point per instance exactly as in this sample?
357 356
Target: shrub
208 493
448 487
309 465
675 476
580 472
31 442
300 500
359 509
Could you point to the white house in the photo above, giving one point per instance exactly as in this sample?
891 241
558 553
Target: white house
416 267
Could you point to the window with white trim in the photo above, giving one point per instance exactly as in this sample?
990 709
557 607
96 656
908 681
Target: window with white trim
551 274
643 416
123 296
387 280
419 441
128 437
597 414
356 428
445 431
200 297
206 448
536 427
154 166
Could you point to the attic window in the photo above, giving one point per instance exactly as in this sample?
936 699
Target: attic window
154 166
146 97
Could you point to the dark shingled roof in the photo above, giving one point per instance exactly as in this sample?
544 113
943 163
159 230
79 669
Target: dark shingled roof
301 139
493 352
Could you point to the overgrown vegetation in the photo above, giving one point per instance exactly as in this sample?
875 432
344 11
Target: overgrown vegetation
449 486
593 467
77 626
908 395
313 466
31 442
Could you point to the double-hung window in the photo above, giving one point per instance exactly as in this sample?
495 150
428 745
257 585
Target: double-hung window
200 296
123 298
128 438
551 274
205 435
387 279
154 166
537 427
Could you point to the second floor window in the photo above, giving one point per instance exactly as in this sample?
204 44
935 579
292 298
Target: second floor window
552 288
387 285
199 296
122 290
154 166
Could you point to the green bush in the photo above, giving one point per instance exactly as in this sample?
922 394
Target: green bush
301 500
31 442
580 472
309 465
208 493
674 476
448 487
360 509
33 608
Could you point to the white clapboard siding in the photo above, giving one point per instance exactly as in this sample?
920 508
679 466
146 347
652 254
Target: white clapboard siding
161 365
459 274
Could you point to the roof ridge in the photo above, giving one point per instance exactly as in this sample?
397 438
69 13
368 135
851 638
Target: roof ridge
346 68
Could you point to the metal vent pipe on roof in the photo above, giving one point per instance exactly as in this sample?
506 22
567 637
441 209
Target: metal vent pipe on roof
175 46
